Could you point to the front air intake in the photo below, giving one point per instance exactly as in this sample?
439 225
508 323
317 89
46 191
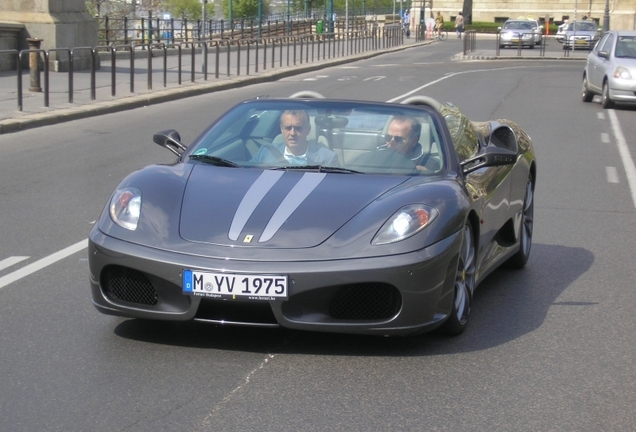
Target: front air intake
124 284
365 301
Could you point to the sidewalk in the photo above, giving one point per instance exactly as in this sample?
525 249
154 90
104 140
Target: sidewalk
35 114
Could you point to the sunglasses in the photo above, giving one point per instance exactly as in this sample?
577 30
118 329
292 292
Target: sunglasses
397 139
296 128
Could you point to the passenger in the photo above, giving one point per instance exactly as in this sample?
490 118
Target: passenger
296 150
403 136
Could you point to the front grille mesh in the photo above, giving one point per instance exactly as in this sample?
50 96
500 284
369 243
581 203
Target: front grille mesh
125 284
365 301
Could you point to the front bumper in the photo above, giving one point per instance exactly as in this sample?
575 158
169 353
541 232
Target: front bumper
622 90
387 295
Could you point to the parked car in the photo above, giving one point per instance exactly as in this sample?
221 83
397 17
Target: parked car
560 34
581 35
413 208
537 30
611 69
516 32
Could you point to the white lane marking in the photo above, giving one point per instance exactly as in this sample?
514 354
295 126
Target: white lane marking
8 262
612 174
452 75
605 137
628 162
600 115
44 262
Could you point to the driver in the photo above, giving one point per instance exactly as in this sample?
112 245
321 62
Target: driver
296 150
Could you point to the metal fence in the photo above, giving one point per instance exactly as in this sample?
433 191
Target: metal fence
122 65
124 31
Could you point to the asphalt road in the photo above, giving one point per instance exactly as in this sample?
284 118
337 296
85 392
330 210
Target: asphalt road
548 348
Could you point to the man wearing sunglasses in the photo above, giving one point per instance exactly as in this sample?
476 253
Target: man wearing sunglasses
403 136
296 149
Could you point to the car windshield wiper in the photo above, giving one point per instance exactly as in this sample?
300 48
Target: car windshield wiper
318 168
214 160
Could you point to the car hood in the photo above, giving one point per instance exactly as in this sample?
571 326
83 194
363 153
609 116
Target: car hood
273 209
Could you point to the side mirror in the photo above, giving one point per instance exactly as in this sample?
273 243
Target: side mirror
171 140
604 54
489 157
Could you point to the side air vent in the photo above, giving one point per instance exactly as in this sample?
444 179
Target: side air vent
504 137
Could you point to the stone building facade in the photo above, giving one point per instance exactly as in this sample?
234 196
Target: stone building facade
622 12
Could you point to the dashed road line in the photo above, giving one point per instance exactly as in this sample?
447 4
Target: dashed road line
44 262
8 262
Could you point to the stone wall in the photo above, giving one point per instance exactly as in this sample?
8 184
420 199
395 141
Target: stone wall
622 12
59 23
11 35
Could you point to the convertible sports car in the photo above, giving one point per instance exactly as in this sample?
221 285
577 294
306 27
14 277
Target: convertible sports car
385 225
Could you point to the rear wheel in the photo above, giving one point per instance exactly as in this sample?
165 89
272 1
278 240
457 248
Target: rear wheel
464 285
520 259
607 102
586 94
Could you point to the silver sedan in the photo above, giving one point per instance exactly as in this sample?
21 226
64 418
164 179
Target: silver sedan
611 69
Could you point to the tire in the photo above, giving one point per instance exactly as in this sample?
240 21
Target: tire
464 285
520 259
586 94
606 101
443 35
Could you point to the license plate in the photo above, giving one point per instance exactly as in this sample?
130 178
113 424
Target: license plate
515 40
581 42
234 286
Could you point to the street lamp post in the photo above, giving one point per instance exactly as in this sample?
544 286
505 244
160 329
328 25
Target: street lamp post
606 18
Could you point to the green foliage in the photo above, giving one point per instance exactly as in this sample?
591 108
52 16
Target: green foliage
244 8
184 9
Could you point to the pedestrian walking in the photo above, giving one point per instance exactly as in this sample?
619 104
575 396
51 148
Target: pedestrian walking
459 25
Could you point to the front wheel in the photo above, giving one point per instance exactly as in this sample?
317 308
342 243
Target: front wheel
443 35
586 94
464 285
606 101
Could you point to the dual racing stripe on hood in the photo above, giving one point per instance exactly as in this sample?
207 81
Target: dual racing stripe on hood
248 207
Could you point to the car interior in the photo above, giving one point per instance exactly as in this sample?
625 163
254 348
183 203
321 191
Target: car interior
350 134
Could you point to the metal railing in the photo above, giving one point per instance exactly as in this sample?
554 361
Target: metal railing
201 59
545 41
124 31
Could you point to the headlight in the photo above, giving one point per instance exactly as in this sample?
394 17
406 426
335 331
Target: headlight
404 223
527 36
125 207
622 73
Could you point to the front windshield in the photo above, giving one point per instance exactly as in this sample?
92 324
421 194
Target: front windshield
518 25
626 47
582 26
343 137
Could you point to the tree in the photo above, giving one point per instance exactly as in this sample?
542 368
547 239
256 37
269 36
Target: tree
188 9
245 8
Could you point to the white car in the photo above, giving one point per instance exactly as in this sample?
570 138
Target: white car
538 31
